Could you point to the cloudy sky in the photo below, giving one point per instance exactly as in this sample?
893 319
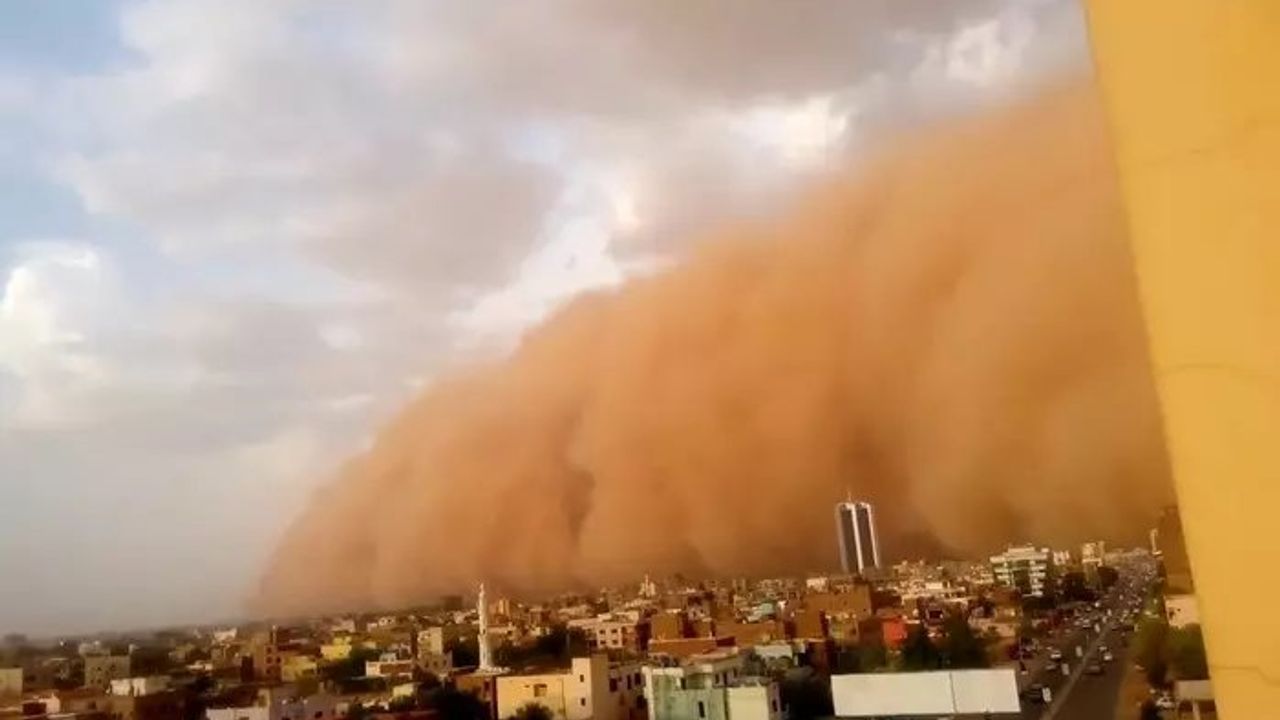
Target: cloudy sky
236 235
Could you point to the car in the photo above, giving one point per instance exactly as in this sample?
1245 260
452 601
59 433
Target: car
1165 702
1107 656
1093 669
1051 666
1034 693
1055 655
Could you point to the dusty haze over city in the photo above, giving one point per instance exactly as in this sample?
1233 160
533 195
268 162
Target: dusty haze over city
421 294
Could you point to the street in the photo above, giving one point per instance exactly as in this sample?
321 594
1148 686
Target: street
1080 695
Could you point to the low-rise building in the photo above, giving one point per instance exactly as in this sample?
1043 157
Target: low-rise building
10 682
135 686
388 666
100 670
281 703
711 686
592 688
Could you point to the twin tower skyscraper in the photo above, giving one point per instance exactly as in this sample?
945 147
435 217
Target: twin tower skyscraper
856 531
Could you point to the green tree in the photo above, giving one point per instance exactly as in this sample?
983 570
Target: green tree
533 711
919 652
961 648
1185 653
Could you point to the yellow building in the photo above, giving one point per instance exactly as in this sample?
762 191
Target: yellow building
297 667
590 689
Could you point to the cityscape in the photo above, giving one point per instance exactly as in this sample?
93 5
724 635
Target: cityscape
1031 632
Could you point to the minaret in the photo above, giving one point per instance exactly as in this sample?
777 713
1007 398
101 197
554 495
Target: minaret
486 656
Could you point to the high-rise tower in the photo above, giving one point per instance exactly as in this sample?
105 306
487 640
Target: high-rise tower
856 533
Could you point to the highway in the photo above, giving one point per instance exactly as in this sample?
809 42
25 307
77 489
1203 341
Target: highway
1080 695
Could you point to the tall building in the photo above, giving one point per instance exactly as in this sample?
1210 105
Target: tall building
1025 568
1173 553
856 532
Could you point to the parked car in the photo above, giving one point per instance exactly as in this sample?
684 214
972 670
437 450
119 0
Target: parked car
1094 669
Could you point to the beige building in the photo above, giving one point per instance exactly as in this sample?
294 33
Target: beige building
592 689
297 666
10 682
100 670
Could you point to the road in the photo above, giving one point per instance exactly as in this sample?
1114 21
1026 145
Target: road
1081 696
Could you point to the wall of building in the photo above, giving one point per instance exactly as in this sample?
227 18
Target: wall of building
10 682
754 702
100 670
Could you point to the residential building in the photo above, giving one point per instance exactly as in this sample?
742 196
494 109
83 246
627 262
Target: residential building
388 666
850 600
281 703
710 686
100 670
148 685
612 633
10 682
591 688
297 666
1025 568
439 665
437 639
856 536
1093 556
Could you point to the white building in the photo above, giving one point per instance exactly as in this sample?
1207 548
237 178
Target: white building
1093 555
856 533
1024 567
710 686
591 689
137 686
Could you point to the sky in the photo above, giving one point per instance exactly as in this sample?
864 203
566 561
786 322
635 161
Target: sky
236 235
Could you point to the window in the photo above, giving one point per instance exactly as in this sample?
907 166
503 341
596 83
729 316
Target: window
582 678
773 704
628 682
319 714
613 684
582 702
637 678
540 690
702 709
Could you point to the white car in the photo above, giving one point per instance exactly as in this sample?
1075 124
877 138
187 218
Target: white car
1107 656
1165 702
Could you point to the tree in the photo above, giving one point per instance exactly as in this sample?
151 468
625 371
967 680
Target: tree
1149 711
872 655
919 652
466 652
806 697
1075 588
1185 653
1149 642
454 704
1107 576
961 648
533 711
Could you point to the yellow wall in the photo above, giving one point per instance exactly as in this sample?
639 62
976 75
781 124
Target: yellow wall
1193 93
